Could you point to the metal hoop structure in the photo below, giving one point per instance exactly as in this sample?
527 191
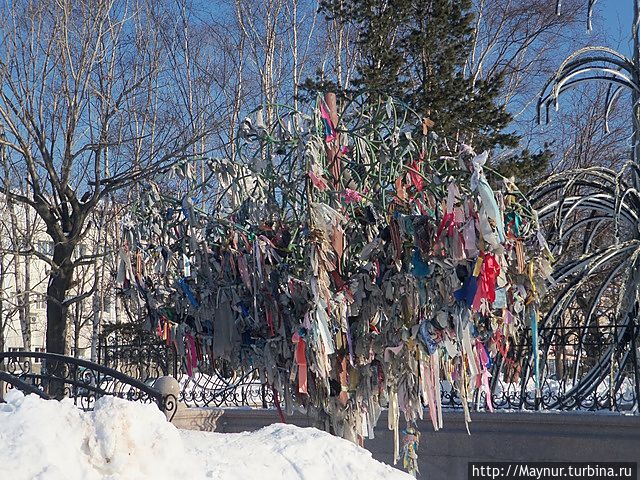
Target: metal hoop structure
590 217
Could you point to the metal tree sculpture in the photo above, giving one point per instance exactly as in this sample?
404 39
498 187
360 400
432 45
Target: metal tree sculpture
598 63
592 216
349 259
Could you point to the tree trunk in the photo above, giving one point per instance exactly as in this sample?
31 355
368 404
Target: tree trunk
26 295
98 304
97 321
635 97
3 323
59 283
77 325
559 360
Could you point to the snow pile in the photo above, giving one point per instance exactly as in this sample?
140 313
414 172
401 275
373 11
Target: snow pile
120 440
282 451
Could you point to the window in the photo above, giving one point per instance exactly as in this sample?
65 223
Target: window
79 252
18 349
41 302
45 247
38 360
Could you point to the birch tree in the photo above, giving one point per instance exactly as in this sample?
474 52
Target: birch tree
89 106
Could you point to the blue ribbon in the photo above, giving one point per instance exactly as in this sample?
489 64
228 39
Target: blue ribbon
468 291
420 268
187 292
423 334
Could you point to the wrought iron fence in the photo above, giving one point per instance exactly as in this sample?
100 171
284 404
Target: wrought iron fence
581 368
133 350
220 387
594 368
57 376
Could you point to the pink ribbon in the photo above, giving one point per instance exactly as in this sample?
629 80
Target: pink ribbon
331 135
416 179
483 378
191 354
430 378
318 182
301 360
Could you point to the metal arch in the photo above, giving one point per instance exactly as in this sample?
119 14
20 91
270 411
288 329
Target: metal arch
582 202
580 199
591 5
547 101
609 102
577 64
15 382
83 381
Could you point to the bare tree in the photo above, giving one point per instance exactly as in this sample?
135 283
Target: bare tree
520 40
89 106
341 52
280 38
584 136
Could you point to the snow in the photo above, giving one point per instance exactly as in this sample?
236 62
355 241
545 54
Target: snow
282 451
121 440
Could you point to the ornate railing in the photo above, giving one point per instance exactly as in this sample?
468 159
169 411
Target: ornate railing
58 376
131 349
142 354
12 381
218 385
580 369
594 368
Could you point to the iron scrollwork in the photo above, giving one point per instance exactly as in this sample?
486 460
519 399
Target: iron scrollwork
58 376
575 371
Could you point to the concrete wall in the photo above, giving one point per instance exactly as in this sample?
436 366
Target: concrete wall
516 436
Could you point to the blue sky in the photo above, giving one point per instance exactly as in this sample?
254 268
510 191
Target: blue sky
615 17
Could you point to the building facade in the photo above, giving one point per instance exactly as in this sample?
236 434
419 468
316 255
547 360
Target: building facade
25 265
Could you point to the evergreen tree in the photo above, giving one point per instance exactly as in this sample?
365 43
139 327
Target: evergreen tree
416 50
526 167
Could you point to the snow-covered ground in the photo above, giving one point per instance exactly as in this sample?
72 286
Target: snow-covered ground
50 440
